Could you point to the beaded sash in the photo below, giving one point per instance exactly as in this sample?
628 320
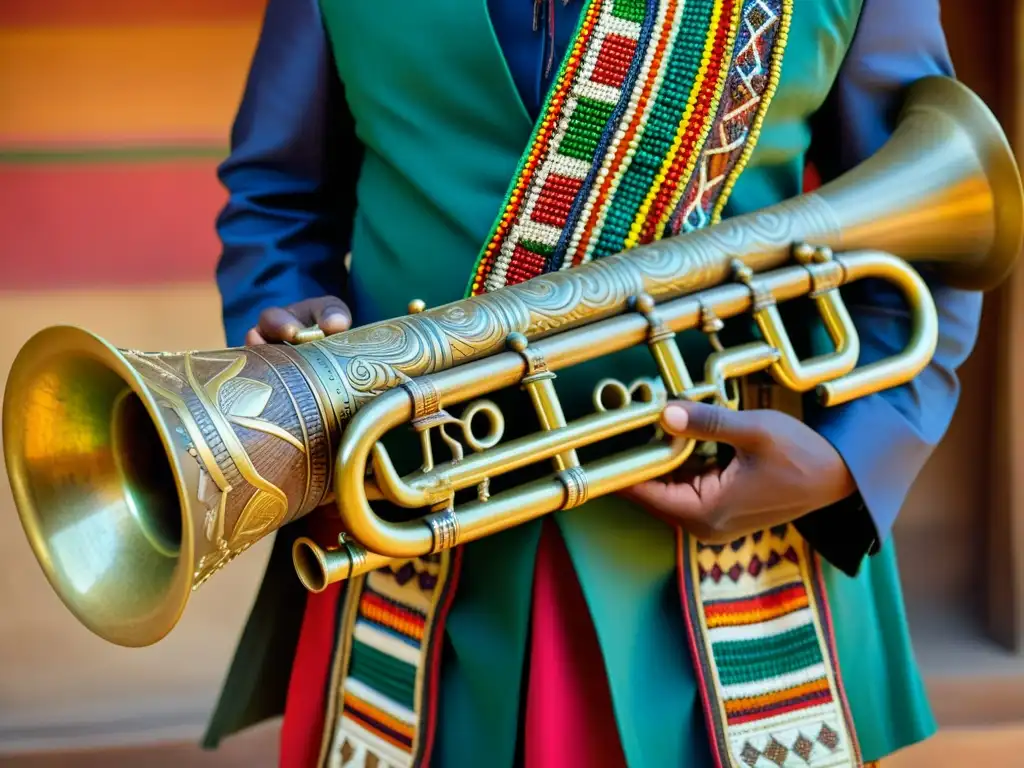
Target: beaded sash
652 117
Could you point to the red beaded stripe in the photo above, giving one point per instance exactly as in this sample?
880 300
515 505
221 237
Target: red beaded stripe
554 202
379 722
814 700
697 127
630 133
614 60
541 144
525 265
771 605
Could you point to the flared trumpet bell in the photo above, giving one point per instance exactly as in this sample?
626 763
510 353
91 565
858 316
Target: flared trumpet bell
137 476
101 485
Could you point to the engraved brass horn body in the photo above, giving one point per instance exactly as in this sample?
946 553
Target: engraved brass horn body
137 475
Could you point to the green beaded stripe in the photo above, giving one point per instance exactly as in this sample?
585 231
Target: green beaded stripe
630 10
541 249
534 136
382 672
660 132
586 126
762 658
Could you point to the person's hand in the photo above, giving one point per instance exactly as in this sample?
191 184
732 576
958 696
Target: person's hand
782 469
278 324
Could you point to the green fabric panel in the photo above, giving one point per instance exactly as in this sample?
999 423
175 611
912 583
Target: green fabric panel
883 682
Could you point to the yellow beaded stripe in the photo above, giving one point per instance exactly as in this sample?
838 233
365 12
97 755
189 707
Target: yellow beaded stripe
705 131
625 142
539 148
599 177
749 90
565 203
587 114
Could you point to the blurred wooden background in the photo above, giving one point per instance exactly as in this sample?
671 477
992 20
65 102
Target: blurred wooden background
114 116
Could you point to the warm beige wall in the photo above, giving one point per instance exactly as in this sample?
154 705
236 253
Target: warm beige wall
57 681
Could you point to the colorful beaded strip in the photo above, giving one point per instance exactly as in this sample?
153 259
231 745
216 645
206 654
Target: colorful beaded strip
764 652
749 88
633 147
384 675
653 115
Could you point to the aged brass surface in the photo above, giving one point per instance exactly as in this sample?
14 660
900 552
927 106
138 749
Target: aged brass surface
139 475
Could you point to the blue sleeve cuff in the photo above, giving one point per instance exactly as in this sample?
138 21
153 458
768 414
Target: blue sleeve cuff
883 467
291 174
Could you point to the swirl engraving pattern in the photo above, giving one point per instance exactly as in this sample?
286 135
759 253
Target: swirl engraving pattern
363 362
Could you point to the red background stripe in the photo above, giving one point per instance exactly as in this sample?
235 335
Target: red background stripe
108 225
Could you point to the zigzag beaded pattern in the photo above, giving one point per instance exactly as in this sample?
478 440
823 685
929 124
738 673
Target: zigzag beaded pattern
751 79
692 132
673 127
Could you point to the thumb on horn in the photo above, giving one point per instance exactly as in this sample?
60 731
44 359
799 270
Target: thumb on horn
714 423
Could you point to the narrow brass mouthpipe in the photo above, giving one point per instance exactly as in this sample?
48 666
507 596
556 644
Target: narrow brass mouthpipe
318 567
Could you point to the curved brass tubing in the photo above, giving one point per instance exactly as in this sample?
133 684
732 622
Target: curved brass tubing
361 448
318 567
924 330
476 519
425 489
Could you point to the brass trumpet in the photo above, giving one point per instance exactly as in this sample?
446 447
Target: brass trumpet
139 475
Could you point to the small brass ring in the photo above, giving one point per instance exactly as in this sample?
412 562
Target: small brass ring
356 554
425 400
611 395
577 490
444 530
643 391
495 421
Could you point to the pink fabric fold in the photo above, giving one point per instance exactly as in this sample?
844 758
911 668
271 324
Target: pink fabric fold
569 718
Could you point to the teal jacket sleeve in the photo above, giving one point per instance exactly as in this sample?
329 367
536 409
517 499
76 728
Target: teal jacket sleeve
290 176
885 439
